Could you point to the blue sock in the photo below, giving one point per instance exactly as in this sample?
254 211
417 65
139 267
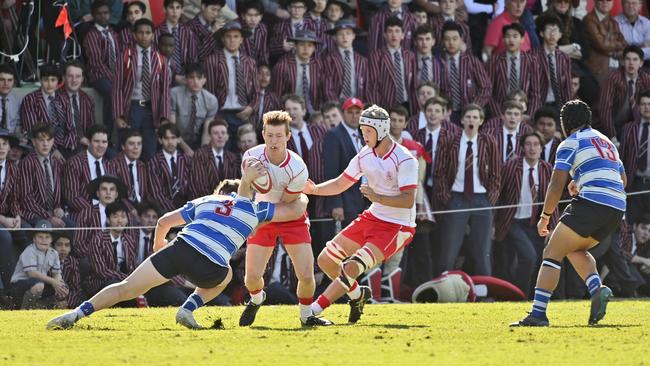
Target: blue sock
85 309
193 302
540 302
593 283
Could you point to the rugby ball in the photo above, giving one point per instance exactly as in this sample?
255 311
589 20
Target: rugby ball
262 184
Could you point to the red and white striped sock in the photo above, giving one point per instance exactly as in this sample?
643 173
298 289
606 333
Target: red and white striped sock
320 304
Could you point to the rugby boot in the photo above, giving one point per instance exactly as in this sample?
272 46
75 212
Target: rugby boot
599 304
356 306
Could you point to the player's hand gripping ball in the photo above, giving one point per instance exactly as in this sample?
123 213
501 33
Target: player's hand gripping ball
263 183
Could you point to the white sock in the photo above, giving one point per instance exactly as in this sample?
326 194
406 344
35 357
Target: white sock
305 311
315 308
258 298
355 294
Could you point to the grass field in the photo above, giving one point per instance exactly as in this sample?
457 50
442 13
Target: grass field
439 334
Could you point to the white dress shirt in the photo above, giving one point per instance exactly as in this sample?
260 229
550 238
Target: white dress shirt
305 134
459 185
525 210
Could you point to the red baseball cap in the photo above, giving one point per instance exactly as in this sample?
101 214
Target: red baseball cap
352 102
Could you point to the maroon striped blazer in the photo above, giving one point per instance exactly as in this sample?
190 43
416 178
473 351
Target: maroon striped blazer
33 110
89 217
334 69
448 132
551 159
76 176
266 101
257 45
329 41
512 175
284 78
613 96
376 31
127 38
216 68
489 165
72 134
497 135
125 79
98 57
119 168
320 26
188 45
475 84
625 239
542 78
168 194
437 21
204 37
383 78
629 150
9 194
283 30
32 189
72 278
103 259
315 166
497 69
413 126
204 175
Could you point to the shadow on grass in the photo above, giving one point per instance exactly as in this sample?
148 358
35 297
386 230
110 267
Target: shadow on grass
389 326
598 326
256 327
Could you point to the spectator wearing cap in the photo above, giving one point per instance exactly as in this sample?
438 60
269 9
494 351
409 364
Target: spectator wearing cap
205 25
513 13
466 80
300 73
511 70
553 67
634 26
41 181
169 170
105 190
605 37
84 167
392 9
545 122
69 268
617 102
334 11
9 101
448 12
78 111
112 252
266 99
231 76
257 45
346 70
9 207
343 143
392 68
280 43
101 47
315 15
141 88
37 282
129 167
186 45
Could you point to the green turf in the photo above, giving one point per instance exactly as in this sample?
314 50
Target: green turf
439 334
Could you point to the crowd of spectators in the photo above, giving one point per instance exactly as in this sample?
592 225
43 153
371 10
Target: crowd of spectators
183 99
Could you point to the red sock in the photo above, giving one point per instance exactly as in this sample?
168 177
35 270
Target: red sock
255 292
354 286
305 300
323 302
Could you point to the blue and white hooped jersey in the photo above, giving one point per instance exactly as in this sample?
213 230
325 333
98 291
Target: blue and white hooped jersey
593 162
218 225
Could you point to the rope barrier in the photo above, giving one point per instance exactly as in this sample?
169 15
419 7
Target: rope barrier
327 219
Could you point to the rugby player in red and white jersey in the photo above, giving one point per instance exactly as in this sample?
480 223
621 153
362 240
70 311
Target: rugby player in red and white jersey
288 175
391 173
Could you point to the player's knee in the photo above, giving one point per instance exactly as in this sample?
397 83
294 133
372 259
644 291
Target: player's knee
252 280
37 289
551 263
361 261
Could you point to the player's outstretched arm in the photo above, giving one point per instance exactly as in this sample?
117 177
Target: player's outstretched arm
330 188
291 211
166 222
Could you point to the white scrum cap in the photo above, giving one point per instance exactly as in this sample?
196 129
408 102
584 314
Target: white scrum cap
377 118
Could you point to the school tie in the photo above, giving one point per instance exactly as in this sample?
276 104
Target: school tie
428 147
468 184
455 85
51 109
297 28
543 155
145 78
112 54
177 50
76 115
260 108
2 183
513 82
239 81
424 74
347 77
305 86
134 196
509 147
643 148
533 194
555 86
303 147
192 121
49 185
98 169
174 170
630 92
399 84
4 113
219 165
397 13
